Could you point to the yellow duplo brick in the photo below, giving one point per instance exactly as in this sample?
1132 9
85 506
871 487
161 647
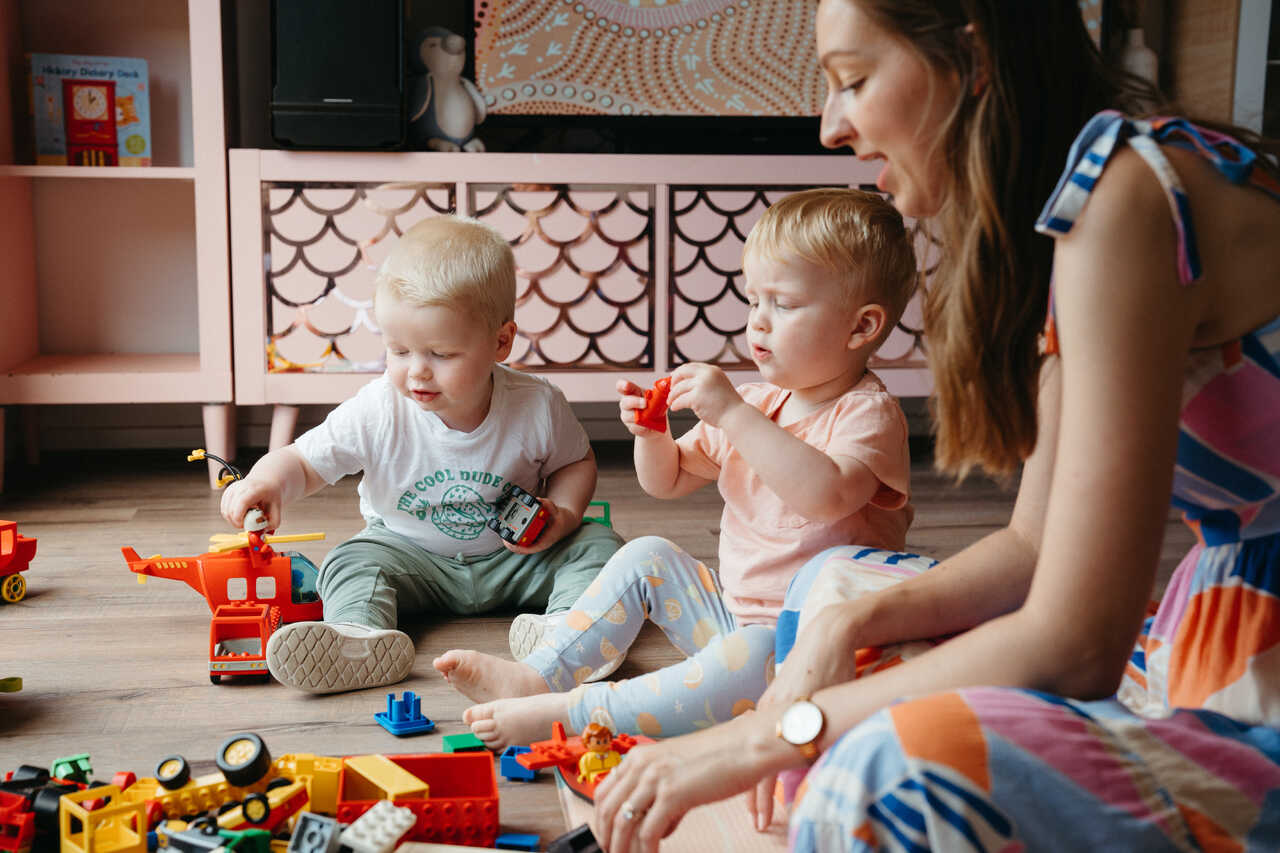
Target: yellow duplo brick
376 777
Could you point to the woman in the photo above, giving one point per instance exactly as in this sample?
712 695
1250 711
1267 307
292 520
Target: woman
1160 380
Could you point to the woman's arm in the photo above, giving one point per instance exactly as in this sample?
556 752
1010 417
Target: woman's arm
1125 327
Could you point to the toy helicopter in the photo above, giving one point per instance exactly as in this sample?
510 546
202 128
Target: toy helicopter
251 589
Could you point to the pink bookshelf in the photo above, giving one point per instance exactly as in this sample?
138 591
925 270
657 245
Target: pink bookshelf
116 285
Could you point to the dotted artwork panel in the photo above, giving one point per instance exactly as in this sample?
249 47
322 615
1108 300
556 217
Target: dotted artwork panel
648 57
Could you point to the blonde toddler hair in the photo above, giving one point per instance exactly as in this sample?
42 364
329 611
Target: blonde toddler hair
453 261
857 236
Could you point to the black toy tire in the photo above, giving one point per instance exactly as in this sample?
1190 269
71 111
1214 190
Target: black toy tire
248 764
256 809
176 776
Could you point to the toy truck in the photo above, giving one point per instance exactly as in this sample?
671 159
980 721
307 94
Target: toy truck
238 635
520 516
16 552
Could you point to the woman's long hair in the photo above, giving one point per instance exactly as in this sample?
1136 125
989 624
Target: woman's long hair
1033 78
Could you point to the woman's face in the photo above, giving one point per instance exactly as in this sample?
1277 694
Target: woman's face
885 103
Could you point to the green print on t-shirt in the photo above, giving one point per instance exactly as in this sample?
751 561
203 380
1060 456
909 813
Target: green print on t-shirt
459 513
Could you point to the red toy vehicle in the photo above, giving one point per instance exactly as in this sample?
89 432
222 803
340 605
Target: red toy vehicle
248 574
520 516
250 589
238 635
16 552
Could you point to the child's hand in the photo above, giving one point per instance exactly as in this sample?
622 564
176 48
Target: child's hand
243 495
630 403
559 525
706 390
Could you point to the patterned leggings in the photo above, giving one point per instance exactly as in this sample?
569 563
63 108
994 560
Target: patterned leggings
728 667
1010 769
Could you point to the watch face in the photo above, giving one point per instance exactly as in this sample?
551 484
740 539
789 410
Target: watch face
801 723
90 102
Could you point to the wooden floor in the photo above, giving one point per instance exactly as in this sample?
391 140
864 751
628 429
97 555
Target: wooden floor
117 669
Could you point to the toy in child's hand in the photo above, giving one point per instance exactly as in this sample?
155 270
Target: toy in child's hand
519 517
654 414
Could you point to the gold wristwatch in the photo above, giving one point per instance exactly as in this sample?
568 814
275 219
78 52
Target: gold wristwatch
801 725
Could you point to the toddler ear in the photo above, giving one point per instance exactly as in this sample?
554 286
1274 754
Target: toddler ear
869 326
506 338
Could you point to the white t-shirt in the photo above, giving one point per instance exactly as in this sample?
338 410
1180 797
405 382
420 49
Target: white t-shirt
433 484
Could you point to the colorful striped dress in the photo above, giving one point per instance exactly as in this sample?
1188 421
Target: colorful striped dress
1186 756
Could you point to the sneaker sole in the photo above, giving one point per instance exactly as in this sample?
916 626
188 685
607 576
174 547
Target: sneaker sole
318 658
527 631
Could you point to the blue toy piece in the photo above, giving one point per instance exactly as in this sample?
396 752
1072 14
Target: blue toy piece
512 769
404 717
516 841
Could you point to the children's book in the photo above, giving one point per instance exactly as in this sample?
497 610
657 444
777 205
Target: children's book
89 110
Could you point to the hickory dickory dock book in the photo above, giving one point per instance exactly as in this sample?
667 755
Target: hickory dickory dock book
89 110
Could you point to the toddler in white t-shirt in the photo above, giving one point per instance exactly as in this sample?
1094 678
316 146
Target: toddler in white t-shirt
437 436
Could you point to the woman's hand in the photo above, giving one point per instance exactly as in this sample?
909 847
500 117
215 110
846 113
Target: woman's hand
824 655
645 797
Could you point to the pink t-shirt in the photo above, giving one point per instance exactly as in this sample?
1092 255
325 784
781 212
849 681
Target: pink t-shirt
763 542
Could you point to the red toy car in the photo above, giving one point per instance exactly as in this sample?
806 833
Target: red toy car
16 552
520 516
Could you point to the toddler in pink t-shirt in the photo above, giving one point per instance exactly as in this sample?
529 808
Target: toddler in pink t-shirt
814 456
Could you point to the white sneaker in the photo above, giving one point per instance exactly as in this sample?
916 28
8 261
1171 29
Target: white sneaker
330 657
529 629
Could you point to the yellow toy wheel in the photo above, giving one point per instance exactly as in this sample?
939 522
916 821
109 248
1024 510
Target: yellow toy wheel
172 772
243 759
256 809
13 588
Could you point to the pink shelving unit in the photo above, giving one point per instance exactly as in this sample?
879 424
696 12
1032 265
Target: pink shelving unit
628 265
115 286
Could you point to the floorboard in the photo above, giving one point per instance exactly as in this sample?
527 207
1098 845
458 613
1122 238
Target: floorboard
116 669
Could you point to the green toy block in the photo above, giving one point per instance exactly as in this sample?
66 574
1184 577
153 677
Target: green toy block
605 516
466 742
73 768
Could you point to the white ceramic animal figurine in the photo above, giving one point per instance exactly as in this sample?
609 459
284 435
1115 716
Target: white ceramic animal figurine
445 107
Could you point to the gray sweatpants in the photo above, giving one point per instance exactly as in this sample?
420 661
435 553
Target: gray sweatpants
377 575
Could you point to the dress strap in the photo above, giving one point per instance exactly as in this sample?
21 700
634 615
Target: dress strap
1089 155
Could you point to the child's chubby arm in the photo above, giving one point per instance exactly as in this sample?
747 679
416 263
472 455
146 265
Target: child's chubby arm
657 456
569 490
816 485
279 478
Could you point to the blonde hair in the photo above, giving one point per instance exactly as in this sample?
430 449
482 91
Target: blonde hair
453 261
857 236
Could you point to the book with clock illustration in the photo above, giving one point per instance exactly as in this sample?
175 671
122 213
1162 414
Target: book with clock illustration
89 110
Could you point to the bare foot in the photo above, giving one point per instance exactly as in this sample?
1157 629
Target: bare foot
482 677
517 722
